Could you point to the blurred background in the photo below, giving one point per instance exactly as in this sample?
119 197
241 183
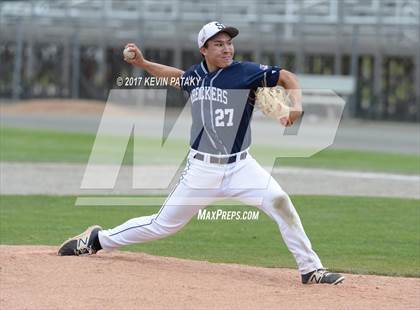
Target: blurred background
72 48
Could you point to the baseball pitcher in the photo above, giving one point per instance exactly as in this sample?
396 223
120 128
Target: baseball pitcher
219 164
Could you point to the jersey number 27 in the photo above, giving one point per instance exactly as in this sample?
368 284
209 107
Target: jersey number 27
223 117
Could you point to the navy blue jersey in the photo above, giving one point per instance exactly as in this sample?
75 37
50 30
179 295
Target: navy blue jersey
222 103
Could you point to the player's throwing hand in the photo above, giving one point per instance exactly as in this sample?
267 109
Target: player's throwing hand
138 59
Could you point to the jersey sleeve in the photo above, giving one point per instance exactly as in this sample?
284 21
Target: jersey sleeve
257 75
187 73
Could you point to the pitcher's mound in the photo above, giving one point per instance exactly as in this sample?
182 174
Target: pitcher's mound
34 277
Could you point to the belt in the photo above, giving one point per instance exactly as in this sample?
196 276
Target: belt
222 160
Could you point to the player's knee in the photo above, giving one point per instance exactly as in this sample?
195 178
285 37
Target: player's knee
283 207
281 201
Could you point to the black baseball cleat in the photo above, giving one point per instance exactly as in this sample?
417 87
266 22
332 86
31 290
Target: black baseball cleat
87 243
322 276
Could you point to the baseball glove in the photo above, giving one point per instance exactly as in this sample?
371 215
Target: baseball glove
273 102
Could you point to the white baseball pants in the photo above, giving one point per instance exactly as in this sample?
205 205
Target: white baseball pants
203 183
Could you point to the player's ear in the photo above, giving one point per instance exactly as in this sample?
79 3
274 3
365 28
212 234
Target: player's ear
203 50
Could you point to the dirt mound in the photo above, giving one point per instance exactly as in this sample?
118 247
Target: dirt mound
35 278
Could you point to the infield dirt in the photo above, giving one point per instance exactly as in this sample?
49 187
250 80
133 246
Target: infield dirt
34 277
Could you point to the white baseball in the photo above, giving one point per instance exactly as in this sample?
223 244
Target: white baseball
129 54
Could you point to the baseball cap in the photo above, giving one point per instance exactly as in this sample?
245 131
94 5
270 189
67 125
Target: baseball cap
211 29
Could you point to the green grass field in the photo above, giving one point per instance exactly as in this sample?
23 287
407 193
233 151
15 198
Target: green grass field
351 234
49 146
357 235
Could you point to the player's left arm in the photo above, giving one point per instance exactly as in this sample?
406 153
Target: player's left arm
289 81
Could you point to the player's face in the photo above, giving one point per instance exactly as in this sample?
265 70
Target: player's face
219 51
